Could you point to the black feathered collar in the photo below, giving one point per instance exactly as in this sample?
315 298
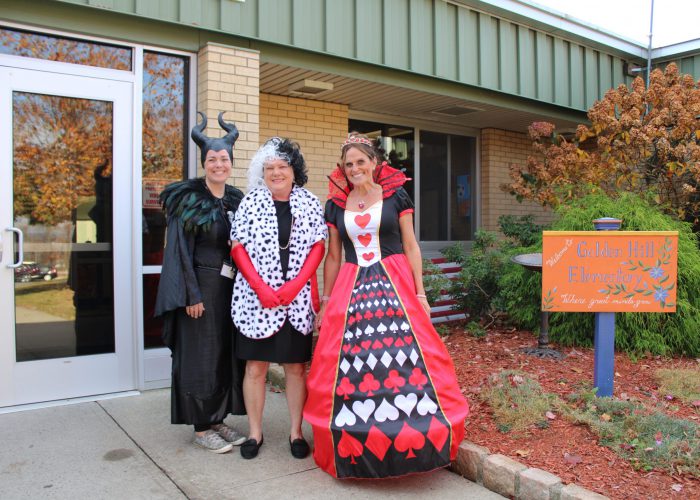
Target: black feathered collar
195 206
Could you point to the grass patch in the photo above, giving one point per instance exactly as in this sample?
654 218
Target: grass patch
475 330
681 384
57 302
649 440
517 401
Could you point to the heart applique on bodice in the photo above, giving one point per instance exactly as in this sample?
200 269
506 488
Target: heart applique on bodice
363 231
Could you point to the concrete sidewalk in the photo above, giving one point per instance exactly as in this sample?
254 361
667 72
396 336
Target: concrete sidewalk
125 448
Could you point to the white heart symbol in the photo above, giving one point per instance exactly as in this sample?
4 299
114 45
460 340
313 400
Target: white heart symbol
386 411
381 328
405 327
375 285
393 327
426 405
345 417
364 410
369 330
406 403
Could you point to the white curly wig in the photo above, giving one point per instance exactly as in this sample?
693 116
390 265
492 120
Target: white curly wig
267 152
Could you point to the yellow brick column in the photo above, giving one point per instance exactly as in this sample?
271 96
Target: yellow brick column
499 150
319 128
228 79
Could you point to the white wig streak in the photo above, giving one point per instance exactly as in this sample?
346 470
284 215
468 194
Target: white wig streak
267 152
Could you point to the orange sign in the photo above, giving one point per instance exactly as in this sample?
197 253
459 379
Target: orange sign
609 271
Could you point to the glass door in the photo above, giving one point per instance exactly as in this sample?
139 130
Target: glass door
65 220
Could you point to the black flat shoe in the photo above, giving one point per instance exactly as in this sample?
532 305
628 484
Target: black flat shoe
299 447
250 448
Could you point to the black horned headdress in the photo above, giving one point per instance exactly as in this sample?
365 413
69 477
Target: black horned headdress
214 143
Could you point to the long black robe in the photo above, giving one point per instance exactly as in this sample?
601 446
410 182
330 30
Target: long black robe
206 376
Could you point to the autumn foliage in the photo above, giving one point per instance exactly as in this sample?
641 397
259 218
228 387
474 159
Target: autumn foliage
62 145
639 140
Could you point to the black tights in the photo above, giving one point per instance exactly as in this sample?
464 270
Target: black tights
205 427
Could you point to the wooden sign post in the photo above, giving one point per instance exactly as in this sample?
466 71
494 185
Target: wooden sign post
605 272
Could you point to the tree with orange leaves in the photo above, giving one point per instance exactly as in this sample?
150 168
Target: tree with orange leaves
639 140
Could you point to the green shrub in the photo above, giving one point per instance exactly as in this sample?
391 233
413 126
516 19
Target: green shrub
477 283
522 230
434 281
672 333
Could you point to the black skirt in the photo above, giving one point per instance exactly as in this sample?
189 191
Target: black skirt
286 346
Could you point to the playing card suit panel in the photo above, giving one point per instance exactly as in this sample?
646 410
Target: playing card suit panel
386 420
363 230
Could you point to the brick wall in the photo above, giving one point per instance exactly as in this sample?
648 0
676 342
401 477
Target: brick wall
228 79
499 150
318 127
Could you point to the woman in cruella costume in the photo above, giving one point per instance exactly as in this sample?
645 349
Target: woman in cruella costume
278 241
383 396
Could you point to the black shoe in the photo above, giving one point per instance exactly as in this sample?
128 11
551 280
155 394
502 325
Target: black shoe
250 448
299 447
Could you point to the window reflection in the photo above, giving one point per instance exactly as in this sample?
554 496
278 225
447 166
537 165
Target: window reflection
62 183
164 142
53 48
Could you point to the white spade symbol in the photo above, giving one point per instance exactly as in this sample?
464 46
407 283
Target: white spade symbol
426 405
364 409
405 327
348 334
345 417
369 330
394 327
406 403
381 328
386 411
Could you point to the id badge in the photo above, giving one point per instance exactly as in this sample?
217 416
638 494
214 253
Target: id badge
227 270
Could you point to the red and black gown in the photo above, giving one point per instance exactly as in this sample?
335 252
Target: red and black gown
383 396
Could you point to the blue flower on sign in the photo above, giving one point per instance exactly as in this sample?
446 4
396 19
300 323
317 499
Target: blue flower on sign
660 295
656 272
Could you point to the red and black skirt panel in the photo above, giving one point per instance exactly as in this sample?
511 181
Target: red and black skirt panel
383 397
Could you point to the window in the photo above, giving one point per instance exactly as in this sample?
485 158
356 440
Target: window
447 170
165 127
54 48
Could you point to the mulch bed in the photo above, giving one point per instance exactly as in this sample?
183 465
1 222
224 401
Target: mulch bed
570 451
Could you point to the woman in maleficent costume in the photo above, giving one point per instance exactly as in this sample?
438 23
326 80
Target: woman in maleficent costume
383 395
194 295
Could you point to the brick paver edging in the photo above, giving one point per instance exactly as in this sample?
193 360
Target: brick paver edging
510 478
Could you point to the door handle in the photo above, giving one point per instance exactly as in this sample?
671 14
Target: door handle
20 245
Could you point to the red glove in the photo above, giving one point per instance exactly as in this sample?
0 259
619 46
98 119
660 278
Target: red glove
265 294
291 288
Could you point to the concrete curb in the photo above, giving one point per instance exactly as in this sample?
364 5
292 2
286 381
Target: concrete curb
510 478
275 376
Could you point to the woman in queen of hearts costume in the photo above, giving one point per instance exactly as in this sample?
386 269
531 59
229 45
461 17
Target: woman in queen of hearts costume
383 396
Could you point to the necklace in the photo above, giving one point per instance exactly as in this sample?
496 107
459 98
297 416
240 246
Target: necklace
361 204
291 227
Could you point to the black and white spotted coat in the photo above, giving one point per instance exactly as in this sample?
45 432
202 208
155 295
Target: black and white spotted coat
255 227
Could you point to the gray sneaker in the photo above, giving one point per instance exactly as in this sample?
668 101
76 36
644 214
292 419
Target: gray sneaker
229 434
213 442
